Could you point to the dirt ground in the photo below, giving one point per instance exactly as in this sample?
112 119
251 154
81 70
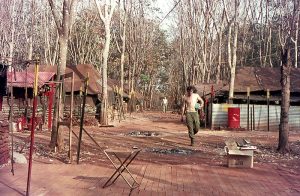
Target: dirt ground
163 140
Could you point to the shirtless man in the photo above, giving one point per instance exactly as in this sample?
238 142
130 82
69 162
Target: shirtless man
165 104
190 100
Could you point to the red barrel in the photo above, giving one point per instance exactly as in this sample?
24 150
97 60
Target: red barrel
234 117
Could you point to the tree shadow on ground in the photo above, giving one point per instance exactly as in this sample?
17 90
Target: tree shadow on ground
14 189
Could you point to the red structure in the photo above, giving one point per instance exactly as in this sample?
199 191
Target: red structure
233 117
50 95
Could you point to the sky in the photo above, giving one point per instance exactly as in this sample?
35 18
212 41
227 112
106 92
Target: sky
165 7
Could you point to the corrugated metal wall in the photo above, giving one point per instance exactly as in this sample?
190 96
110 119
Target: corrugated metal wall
220 116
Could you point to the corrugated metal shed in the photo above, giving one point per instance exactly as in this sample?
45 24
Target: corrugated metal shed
220 116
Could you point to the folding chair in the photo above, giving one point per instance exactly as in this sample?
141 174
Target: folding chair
130 156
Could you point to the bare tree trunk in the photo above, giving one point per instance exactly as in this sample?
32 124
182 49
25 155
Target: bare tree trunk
63 26
231 87
296 41
210 63
30 39
133 76
129 71
123 38
54 57
219 58
13 29
232 54
30 48
104 101
286 30
261 35
283 146
185 75
57 138
106 19
233 63
270 47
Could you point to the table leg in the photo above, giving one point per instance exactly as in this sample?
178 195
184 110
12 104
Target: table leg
118 170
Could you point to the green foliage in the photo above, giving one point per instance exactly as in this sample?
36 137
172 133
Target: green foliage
145 78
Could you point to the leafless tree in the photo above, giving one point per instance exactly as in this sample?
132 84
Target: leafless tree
288 16
105 17
63 23
123 7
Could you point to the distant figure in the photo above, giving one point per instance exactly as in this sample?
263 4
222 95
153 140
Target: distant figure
191 106
165 104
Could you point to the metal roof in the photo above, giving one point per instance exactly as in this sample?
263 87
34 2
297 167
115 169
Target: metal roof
23 79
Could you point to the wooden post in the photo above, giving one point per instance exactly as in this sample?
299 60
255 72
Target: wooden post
251 119
253 114
51 93
80 99
206 112
248 103
204 109
268 105
35 91
71 118
211 106
82 117
11 114
26 95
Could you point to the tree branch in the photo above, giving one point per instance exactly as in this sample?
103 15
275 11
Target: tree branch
55 15
99 11
112 8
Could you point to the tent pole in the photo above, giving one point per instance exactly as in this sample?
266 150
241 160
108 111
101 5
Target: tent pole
82 117
36 71
11 113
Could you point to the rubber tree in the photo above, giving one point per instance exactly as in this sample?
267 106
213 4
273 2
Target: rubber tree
12 30
63 23
287 29
219 25
105 16
232 49
123 7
